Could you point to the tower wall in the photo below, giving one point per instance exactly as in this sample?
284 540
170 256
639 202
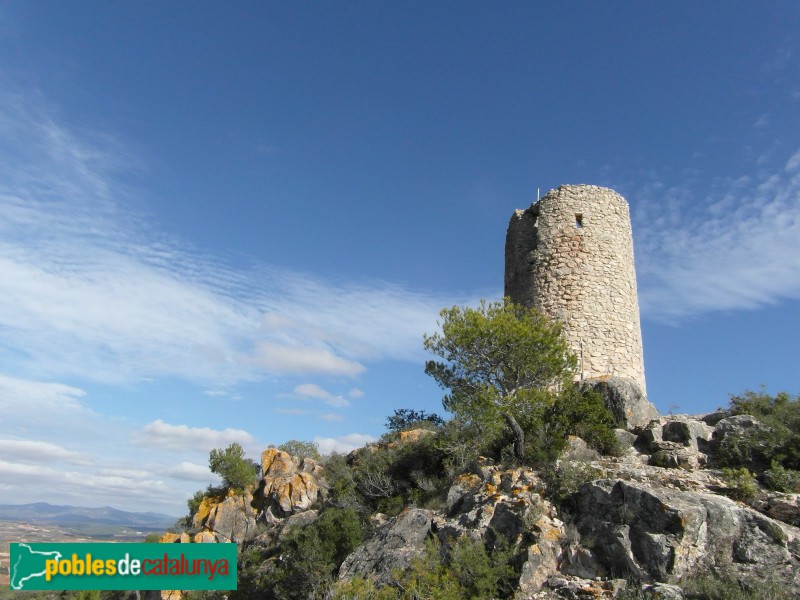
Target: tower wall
571 256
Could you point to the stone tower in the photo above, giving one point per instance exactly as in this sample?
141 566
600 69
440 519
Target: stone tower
571 256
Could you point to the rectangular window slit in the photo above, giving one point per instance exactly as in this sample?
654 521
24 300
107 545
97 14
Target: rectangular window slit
578 221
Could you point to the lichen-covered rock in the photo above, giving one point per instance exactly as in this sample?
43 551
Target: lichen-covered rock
205 537
233 519
290 484
413 435
625 399
542 556
393 546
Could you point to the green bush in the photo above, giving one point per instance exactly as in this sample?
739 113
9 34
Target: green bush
781 479
405 418
310 556
236 471
742 483
466 570
778 441
301 449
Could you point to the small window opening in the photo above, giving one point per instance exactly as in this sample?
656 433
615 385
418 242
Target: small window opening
578 221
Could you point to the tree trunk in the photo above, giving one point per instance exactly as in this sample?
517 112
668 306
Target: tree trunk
519 436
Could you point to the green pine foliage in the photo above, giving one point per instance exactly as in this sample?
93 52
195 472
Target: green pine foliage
236 471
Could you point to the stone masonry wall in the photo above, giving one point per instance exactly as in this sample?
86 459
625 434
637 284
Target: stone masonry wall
571 256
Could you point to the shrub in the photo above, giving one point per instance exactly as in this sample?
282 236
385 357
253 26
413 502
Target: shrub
236 471
309 556
781 479
779 441
467 570
406 418
742 483
301 449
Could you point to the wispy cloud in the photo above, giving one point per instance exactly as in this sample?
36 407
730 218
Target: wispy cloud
731 245
89 290
312 390
190 471
76 486
182 437
38 451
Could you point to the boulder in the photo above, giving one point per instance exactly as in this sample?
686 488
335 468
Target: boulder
393 547
625 399
687 431
736 425
290 484
233 519
657 534
780 506
413 435
297 520
205 537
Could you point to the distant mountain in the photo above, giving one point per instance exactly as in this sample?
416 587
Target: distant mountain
42 512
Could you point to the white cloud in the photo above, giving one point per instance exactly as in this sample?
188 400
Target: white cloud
312 390
77 486
132 304
192 472
37 451
301 360
345 443
182 437
732 247
26 395
355 393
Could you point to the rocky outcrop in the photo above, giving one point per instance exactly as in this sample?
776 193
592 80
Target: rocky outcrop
393 547
660 534
625 399
234 519
290 484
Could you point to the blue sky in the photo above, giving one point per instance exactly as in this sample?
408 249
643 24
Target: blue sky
234 223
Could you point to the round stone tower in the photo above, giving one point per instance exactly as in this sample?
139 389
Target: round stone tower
571 256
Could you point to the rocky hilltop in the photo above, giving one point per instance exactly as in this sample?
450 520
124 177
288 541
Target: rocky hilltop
656 521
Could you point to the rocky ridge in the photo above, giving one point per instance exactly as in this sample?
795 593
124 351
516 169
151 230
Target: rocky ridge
657 514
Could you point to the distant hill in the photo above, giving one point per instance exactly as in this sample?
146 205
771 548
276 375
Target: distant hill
42 512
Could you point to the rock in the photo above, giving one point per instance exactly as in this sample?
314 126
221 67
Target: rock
290 484
578 450
656 533
625 439
233 519
169 538
713 418
205 537
414 435
392 547
687 431
298 520
736 425
541 557
625 400
663 591
783 507
672 455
